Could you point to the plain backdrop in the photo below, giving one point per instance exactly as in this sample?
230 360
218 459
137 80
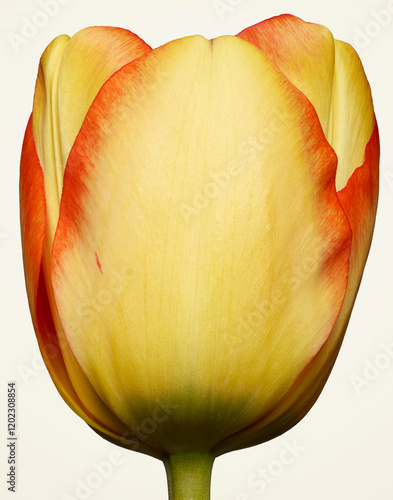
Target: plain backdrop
345 443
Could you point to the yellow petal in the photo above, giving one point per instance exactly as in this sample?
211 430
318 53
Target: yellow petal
201 254
348 124
55 349
70 74
359 201
45 125
352 113
304 52
91 57
330 74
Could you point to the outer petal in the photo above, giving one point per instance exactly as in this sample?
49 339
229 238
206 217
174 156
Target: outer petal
348 126
32 212
71 72
32 215
359 200
178 177
91 57
304 52
352 118
46 134
32 208
101 51
330 74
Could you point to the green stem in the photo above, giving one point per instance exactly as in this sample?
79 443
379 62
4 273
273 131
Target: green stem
189 476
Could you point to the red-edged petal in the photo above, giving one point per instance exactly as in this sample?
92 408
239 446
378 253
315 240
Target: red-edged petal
331 76
304 52
359 200
142 149
33 221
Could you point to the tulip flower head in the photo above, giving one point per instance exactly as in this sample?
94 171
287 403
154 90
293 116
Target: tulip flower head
195 223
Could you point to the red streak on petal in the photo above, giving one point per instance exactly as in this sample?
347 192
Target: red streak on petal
98 262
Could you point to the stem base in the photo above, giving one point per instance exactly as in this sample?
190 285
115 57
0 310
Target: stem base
189 476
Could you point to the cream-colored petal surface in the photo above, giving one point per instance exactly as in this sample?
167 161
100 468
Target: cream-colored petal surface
201 256
45 124
352 113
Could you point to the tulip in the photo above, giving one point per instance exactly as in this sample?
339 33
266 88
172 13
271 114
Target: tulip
195 223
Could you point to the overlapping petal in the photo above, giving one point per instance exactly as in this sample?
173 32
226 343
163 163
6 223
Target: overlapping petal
194 273
42 169
195 224
304 54
359 200
32 207
331 75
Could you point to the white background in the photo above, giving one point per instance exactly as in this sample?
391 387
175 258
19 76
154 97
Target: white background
347 438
